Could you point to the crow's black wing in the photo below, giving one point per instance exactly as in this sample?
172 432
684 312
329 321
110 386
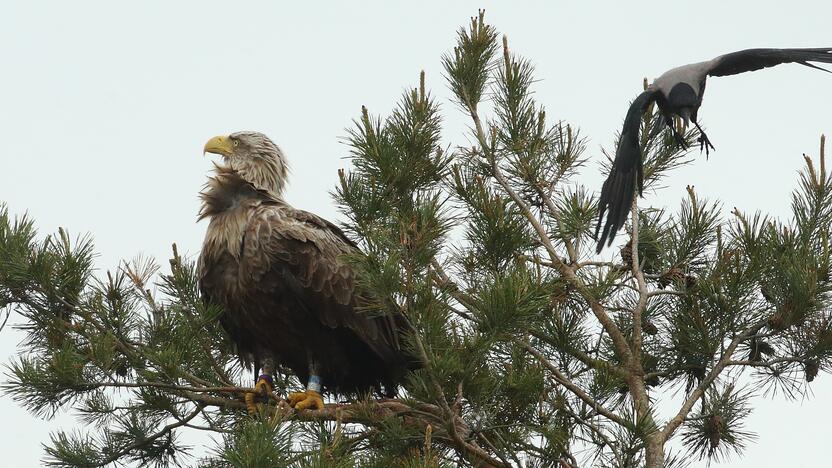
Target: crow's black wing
625 175
757 59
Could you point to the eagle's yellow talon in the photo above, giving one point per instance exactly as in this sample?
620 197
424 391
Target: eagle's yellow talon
295 397
263 388
309 399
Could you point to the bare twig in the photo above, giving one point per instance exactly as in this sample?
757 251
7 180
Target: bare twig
553 210
576 390
8 312
148 440
595 430
667 292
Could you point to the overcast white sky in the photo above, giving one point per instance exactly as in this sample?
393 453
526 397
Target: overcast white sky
105 106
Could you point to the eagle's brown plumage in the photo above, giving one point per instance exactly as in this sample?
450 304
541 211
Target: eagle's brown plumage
281 275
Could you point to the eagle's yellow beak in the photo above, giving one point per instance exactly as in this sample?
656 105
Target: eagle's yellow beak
219 145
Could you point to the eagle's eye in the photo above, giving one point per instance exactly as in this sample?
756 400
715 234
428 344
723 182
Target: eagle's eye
236 142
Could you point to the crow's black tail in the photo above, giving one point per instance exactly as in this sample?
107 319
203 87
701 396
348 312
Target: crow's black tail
625 175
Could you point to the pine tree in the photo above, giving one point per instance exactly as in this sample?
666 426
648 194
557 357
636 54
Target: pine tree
536 353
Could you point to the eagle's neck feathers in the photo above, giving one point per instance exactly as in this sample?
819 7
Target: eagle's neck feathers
265 173
229 200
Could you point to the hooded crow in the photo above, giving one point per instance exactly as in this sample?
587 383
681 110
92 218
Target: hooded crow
678 92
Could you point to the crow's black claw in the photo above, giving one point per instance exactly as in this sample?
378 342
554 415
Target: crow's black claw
705 143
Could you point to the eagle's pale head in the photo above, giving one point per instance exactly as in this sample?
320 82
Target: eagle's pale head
254 156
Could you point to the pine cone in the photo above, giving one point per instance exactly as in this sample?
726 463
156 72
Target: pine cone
765 348
674 275
764 290
691 281
777 322
626 253
649 328
122 367
811 368
714 429
753 350
785 316
781 319
758 348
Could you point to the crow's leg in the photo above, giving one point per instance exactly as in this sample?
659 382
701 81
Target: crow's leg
680 139
703 140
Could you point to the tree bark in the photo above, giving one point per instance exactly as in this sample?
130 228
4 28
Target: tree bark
654 452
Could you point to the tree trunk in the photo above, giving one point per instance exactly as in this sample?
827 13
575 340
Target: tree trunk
654 452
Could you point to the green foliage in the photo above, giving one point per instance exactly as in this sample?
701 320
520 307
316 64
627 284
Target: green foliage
467 69
255 444
716 428
496 231
70 450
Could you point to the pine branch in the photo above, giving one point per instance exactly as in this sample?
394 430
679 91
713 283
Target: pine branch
576 390
769 364
200 329
152 438
376 414
638 391
595 429
674 423
609 326
452 414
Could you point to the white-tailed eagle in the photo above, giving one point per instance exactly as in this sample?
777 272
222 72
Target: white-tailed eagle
281 275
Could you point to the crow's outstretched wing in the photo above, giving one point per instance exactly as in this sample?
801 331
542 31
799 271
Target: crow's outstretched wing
757 59
625 175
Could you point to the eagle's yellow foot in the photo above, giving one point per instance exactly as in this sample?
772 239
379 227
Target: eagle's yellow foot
263 388
309 399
